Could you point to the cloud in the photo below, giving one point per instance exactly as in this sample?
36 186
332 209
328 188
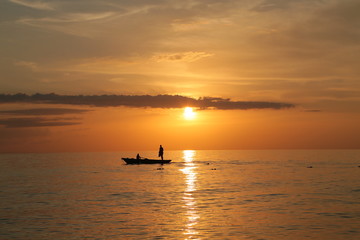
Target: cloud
76 24
40 120
141 101
36 122
44 111
271 5
182 56
312 110
268 5
40 5
224 104
29 65
158 47
68 18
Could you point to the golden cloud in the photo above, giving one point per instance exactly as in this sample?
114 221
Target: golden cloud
181 56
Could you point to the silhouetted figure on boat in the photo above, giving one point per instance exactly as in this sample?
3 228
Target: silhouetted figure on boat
138 157
161 152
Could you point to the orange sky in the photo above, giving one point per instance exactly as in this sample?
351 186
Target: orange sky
303 53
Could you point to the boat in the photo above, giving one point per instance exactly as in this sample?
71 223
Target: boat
144 161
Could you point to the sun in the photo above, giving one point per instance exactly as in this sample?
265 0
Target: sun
189 113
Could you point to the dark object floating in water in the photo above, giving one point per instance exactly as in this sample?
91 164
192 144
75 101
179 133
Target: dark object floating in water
213 169
310 167
145 161
160 168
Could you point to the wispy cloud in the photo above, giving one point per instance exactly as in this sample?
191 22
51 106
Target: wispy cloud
140 101
312 110
30 65
36 122
40 117
40 5
67 18
182 56
43 111
68 23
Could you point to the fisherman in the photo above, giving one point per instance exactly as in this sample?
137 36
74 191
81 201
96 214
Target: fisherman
138 157
161 152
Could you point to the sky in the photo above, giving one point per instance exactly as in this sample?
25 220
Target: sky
116 75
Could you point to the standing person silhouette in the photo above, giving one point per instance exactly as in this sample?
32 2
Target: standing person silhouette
161 152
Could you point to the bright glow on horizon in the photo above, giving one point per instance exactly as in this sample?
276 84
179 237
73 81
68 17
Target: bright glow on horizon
189 113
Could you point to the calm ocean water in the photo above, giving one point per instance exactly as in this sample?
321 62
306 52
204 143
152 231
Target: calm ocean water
201 195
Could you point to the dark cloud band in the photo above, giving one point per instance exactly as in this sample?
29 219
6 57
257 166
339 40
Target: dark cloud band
43 111
140 101
35 122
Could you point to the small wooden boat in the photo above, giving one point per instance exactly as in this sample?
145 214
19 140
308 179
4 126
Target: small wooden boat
145 161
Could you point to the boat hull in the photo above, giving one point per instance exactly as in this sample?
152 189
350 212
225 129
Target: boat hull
145 161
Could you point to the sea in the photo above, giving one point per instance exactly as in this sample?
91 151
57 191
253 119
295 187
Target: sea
237 194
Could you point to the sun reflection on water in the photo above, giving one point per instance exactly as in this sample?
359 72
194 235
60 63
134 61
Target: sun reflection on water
190 173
